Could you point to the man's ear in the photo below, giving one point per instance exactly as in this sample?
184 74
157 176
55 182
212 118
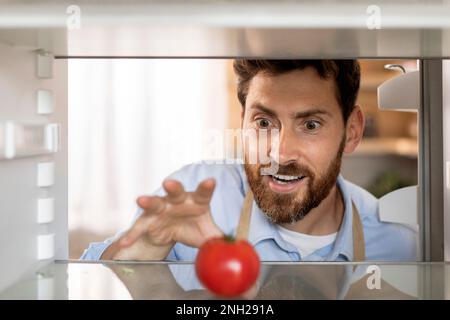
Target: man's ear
354 129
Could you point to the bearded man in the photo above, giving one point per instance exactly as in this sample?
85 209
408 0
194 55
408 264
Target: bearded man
303 209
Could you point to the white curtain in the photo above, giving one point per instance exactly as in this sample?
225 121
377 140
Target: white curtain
131 123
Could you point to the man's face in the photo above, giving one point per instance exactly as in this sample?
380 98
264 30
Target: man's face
305 110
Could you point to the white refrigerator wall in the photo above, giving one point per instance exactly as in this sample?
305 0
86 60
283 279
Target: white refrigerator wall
19 190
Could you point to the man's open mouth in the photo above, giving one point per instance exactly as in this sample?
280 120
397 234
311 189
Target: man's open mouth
284 179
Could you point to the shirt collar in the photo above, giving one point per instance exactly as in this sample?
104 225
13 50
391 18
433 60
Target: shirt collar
261 228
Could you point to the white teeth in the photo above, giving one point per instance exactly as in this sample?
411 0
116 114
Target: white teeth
279 176
282 179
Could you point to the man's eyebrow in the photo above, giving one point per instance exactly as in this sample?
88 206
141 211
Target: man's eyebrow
296 115
263 109
309 113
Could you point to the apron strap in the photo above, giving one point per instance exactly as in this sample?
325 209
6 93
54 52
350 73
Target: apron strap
359 247
244 220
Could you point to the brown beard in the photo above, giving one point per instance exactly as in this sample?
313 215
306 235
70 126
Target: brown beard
285 208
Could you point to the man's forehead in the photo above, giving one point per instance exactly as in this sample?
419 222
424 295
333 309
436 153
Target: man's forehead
293 91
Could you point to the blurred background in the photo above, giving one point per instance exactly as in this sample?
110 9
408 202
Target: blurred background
132 122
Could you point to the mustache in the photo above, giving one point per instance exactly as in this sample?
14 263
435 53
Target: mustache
294 169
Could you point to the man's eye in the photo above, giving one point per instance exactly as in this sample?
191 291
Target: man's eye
263 123
312 125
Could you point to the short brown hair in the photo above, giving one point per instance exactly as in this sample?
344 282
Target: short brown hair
346 74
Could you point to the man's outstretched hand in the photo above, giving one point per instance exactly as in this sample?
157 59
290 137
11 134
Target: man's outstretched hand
179 216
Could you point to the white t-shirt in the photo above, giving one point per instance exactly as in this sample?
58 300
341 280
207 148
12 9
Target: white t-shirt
305 243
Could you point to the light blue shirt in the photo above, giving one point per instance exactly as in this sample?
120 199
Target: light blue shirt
384 241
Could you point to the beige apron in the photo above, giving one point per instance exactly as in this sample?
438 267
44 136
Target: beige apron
359 251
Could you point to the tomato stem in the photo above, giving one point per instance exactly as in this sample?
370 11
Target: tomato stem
229 238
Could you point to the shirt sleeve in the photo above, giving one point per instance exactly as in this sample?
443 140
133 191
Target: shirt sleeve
96 249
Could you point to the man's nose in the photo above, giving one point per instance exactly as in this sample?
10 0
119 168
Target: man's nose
289 146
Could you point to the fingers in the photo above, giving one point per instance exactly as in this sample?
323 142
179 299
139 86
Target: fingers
204 191
151 204
175 191
165 212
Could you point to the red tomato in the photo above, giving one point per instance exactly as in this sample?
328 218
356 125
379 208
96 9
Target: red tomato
227 267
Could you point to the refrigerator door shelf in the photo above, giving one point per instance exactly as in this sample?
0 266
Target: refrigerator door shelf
24 140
